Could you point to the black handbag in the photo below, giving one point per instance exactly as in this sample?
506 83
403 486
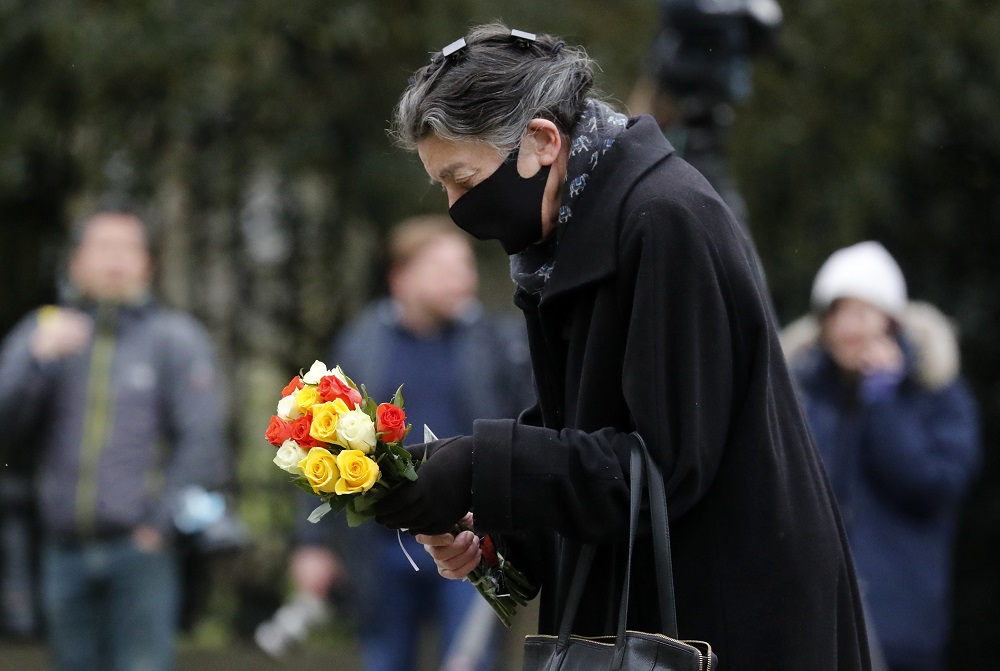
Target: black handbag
629 650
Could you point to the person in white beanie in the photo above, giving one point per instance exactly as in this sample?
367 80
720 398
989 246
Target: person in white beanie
898 432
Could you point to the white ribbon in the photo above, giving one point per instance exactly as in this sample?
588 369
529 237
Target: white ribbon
399 537
428 437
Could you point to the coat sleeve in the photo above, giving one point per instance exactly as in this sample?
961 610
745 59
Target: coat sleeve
923 449
195 419
23 383
677 381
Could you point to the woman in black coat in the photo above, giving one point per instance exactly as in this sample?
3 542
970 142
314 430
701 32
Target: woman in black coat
646 312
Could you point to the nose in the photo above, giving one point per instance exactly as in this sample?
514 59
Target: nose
454 193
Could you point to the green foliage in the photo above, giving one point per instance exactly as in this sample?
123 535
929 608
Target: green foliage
878 120
882 121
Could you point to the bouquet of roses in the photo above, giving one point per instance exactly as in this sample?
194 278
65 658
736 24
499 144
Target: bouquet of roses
341 445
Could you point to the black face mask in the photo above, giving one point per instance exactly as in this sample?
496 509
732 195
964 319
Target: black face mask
504 207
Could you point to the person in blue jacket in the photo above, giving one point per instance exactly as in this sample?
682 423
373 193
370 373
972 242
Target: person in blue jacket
457 363
898 430
118 400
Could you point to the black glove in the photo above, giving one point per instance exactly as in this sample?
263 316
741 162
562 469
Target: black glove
441 494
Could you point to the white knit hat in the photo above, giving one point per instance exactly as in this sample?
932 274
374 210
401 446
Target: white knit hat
865 271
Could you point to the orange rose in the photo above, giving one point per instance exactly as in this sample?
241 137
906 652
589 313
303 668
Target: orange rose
292 386
278 431
391 422
331 388
300 432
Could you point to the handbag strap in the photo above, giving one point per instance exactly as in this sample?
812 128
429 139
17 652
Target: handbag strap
583 563
640 462
660 532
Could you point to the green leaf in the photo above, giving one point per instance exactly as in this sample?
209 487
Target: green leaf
397 399
364 502
321 510
339 503
370 408
349 380
303 484
354 517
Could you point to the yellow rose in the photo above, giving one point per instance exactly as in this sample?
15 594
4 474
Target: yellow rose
324 422
320 470
357 472
306 398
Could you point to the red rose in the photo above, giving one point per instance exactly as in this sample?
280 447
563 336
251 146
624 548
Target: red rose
300 432
489 552
331 388
391 422
292 386
278 431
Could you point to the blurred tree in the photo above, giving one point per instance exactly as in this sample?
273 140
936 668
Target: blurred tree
882 121
253 134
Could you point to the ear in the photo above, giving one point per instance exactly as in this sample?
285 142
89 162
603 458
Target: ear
540 146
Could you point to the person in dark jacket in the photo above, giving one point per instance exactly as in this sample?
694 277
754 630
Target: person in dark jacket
898 430
457 363
645 312
119 399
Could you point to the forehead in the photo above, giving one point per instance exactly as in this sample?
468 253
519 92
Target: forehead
442 158
443 249
849 305
103 229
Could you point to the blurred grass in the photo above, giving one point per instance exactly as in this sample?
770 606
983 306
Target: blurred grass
212 646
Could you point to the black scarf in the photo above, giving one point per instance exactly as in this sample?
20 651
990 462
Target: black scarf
595 132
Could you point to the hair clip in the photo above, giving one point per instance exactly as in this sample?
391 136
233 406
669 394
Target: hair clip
454 48
522 39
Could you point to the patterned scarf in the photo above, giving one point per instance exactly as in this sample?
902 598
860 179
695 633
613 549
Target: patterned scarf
593 135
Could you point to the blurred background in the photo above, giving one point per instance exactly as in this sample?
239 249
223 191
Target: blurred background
252 136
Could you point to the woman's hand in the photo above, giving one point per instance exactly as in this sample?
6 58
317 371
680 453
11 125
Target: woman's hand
455 556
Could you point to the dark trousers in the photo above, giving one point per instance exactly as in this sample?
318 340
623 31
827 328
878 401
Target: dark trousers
110 606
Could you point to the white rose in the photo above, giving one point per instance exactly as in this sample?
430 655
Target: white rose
288 457
288 409
339 374
357 430
316 372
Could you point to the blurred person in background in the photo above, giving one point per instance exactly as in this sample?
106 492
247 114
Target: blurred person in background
457 364
697 71
119 400
898 431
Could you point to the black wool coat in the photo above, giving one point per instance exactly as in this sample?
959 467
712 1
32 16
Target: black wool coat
656 318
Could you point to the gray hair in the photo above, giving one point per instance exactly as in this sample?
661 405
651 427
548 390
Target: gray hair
492 88
78 228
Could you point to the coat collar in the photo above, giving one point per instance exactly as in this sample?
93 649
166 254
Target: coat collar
588 246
